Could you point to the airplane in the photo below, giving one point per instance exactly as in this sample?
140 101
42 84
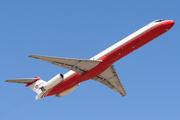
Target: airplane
99 68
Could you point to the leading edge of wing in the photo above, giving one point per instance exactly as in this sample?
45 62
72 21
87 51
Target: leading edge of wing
78 65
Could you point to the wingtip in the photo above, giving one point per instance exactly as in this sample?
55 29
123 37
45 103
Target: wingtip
33 56
123 95
30 55
9 80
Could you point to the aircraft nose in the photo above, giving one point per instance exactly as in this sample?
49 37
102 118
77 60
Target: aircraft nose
170 24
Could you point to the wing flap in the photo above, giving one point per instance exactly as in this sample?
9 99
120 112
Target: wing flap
22 81
77 65
110 78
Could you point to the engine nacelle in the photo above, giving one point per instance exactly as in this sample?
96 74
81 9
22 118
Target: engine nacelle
67 91
52 82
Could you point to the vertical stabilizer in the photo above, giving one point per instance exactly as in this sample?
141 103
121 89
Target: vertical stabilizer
35 85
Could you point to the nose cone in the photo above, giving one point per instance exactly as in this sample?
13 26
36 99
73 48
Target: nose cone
169 24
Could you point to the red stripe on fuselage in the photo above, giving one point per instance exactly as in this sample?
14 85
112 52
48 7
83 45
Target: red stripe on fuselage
113 56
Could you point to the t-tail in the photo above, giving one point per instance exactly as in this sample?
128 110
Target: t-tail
37 85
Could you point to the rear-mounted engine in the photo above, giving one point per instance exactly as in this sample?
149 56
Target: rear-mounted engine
53 82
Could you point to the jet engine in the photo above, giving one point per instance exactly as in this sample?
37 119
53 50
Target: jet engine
52 82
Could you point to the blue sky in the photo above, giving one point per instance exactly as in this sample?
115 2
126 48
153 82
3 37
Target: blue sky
82 29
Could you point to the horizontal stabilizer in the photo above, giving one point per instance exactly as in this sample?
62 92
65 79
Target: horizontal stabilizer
22 81
77 65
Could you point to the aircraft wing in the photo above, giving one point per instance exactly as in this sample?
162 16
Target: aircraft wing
110 78
78 65
22 81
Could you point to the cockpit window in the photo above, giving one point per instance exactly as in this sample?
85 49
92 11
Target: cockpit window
160 20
